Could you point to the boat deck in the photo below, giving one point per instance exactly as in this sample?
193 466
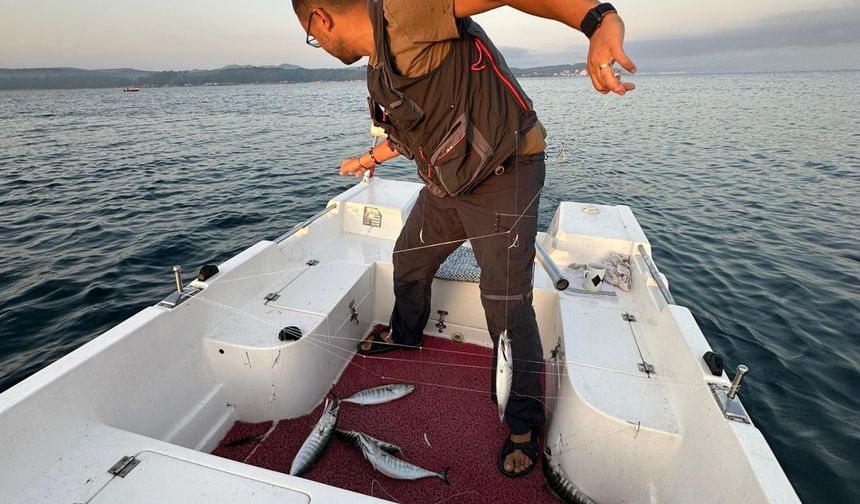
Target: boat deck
451 406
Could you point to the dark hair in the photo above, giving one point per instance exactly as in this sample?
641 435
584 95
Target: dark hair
304 7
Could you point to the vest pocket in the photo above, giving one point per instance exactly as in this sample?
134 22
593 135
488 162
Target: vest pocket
387 105
460 161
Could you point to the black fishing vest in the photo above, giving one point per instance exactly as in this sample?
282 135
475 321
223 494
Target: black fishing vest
461 120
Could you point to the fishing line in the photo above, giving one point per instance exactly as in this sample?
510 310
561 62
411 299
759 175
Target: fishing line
576 143
261 275
375 482
262 440
632 374
593 440
481 391
508 251
444 386
639 376
661 381
467 492
594 117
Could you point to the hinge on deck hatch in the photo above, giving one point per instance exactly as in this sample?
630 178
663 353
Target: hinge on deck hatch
646 368
441 324
124 466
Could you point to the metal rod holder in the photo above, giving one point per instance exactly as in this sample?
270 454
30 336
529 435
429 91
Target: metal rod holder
177 276
181 294
736 383
558 280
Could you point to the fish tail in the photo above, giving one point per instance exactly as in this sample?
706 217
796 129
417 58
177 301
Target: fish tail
443 474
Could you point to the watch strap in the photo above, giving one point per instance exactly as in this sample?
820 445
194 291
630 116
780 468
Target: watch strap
593 18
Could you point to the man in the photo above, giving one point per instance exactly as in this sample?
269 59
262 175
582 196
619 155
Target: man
445 97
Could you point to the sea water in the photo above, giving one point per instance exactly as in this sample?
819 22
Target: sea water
747 186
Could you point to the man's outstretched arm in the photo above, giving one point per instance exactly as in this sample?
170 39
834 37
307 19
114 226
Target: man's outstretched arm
606 43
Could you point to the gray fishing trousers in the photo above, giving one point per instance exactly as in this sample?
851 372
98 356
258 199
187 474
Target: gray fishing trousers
505 207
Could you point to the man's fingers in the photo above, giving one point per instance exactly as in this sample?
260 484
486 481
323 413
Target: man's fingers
595 81
625 62
610 80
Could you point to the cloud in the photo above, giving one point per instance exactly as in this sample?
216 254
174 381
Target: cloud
520 57
807 29
822 39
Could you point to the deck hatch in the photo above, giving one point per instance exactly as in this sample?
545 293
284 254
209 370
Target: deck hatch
166 479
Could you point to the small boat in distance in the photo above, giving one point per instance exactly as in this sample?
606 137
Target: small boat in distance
131 90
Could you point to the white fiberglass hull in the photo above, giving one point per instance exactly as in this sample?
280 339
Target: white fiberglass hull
165 385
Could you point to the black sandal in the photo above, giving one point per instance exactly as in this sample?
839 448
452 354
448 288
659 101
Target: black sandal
378 344
529 448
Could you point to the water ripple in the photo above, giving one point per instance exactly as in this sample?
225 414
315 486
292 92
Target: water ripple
751 206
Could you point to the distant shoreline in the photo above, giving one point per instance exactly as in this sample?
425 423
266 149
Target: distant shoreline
76 78
46 79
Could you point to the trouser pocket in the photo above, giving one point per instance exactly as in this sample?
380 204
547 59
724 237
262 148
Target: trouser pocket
461 161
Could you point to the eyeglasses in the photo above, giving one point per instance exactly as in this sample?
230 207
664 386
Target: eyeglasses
311 40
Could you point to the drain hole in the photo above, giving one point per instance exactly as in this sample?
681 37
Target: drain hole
221 351
290 333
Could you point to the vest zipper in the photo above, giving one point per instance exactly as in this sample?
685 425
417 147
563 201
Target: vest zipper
482 49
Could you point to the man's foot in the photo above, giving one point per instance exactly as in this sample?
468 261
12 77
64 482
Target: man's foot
378 341
518 454
517 461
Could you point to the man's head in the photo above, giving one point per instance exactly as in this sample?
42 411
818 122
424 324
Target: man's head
336 25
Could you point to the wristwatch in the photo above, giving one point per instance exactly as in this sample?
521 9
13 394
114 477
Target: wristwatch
593 18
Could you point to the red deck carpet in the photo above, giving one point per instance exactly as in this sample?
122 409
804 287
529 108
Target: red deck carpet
451 405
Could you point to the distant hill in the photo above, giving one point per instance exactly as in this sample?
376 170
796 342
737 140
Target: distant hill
73 78
285 66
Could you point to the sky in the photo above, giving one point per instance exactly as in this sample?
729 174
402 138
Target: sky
662 35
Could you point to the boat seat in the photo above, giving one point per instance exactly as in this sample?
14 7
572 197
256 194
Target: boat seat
306 300
280 337
603 359
460 266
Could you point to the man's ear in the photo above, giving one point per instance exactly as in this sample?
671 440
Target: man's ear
325 18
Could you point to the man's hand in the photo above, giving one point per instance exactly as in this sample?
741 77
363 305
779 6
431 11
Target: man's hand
359 164
606 42
351 166
604 50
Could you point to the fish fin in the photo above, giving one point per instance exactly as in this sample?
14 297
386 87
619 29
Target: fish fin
443 474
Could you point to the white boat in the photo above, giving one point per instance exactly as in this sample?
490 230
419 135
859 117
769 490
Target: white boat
634 413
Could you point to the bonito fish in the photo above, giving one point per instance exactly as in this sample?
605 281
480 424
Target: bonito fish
394 467
381 394
560 484
316 442
352 438
504 373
